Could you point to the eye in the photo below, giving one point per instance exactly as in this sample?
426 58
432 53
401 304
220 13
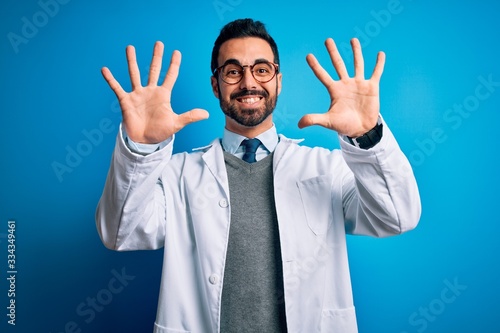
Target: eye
263 69
232 71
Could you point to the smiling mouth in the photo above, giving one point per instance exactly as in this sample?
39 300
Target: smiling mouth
249 100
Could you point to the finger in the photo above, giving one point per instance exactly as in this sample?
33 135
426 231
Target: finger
173 70
337 61
155 67
113 84
133 69
314 119
189 117
318 70
379 66
359 63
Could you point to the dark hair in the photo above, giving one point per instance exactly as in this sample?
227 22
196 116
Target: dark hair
239 29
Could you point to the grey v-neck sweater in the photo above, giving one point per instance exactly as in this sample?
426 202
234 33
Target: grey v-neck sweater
252 294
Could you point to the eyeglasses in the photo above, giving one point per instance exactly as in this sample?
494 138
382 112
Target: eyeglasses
262 72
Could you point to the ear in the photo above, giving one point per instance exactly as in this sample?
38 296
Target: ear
279 77
215 86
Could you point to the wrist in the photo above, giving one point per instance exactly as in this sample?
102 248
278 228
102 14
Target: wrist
143 148
370 138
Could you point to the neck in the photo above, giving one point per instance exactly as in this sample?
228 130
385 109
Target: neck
249 132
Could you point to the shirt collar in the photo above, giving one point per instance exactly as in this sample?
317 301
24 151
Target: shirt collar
231 141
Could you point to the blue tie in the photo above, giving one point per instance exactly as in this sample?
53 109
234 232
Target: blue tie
251 146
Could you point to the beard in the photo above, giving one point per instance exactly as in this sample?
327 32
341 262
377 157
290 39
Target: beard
253 116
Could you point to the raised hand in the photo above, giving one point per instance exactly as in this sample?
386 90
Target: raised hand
355 103
147 112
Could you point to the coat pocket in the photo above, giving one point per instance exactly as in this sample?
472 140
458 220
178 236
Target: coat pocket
316 195
339 320
161 329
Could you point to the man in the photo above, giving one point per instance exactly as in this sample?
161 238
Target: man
254 231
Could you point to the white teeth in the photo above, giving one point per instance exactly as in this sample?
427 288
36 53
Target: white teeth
250 100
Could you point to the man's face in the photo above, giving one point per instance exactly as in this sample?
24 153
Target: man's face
247 103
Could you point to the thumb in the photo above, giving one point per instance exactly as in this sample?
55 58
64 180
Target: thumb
192 116
314 119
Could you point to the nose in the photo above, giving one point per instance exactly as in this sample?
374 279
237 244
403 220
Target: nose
248 82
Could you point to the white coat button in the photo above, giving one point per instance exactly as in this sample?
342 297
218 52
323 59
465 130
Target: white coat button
223 203
213 279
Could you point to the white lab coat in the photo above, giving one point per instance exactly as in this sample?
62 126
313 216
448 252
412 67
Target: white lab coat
181 202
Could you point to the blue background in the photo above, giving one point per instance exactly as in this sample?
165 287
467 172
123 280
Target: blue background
52 93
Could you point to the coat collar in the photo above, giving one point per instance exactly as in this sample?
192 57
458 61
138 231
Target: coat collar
213 157
217 143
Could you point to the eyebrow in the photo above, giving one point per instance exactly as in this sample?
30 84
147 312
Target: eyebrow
237 62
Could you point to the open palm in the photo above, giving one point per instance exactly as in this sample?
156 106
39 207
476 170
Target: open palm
355 103
147 112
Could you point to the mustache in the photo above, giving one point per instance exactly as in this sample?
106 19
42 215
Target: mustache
244 93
